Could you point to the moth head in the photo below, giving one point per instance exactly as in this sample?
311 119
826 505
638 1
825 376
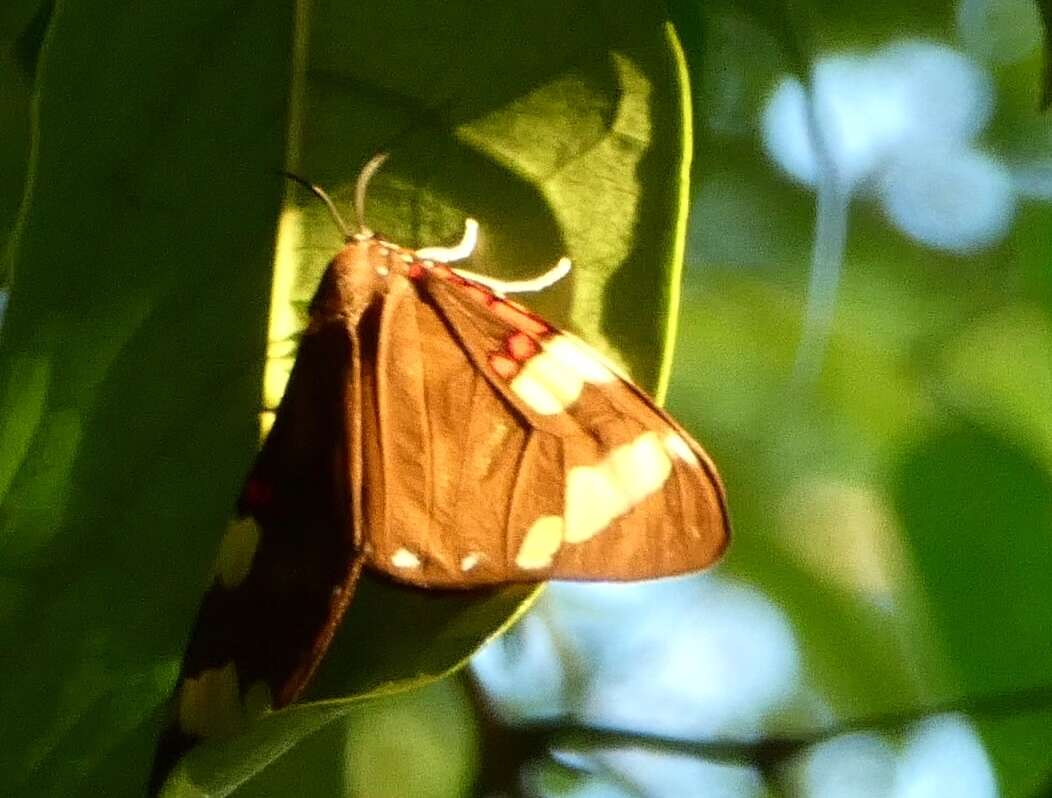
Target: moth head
355 279
362 232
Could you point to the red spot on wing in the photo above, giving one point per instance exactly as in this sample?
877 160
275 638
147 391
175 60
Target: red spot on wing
518 348
521 347
505 366
416 270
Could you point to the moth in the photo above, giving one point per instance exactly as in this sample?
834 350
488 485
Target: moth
441 434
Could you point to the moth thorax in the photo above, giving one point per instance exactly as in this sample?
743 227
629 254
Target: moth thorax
352 281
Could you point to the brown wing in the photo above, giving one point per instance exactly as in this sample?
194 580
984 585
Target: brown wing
287 566
510 452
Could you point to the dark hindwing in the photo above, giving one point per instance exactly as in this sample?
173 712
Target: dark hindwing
287 566
512 452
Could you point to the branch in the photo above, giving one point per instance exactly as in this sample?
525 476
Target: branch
771 752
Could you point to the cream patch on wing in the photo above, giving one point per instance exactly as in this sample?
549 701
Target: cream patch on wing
404 558
552 380
542 540
597 495
546 385
237 551
209 703
677 447
593 500
577 356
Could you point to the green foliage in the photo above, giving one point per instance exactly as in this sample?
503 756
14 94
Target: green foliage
131 355
998 501
898 509
127 368
20 40
1046 18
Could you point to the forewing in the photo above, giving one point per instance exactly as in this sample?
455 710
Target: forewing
512 453
287 566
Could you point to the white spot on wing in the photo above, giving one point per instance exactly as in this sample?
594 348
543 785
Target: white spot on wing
592 501
546 385
640 468
542 540
577 356
553 379
597 495
470 561
404 558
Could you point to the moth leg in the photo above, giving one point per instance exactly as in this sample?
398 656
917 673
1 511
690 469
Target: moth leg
459 252
467 246
531 286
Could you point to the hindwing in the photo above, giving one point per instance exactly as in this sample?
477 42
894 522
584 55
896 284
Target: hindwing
288 563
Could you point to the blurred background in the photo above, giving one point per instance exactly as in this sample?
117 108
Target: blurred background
864 348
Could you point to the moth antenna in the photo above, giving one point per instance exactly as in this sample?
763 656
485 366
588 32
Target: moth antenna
360 187
318 192
531 286
459 252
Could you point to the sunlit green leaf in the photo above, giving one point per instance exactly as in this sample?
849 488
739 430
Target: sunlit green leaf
130 356
130 365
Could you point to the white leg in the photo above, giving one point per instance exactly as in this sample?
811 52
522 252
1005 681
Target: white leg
531 286
459 252
467 246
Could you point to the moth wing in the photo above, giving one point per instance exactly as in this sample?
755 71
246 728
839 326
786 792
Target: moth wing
512 453
287 566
